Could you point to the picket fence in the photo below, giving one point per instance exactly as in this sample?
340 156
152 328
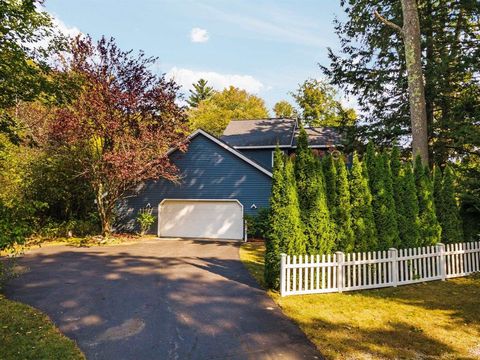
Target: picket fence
316 274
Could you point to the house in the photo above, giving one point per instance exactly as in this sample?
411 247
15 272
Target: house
221 179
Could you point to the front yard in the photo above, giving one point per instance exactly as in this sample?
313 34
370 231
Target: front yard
427 320
26 333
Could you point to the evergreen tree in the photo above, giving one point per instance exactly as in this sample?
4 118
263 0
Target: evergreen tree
292 230
390 200
437 192
379 178
408 224
304 173
395 168
274 238
343 216
450 219
330 175
318 225
370 161
429 228
363 223
199 93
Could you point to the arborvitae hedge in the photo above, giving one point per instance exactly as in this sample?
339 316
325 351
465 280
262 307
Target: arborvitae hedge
363 223
430 230
305 174
409 222
274 237
318 224
450 217
330 175
317 208
383 203
291 227
343 216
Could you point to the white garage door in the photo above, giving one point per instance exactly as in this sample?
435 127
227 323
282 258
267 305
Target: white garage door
211 219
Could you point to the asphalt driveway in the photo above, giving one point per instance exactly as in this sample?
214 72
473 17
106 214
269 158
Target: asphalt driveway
158 299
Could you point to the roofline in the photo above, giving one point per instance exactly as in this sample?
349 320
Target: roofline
253 147
246 147
226 147
266 118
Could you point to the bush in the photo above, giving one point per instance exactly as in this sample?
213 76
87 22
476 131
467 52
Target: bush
145 218
74 227
258 225
16 224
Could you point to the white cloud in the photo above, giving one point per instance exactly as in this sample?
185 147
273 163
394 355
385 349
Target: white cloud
186 77
70 31
198 35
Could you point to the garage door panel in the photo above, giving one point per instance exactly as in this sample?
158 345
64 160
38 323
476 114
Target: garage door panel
201 219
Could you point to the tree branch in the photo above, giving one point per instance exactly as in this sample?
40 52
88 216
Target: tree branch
388 23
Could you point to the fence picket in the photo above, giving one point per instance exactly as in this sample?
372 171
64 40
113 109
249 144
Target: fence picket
307 274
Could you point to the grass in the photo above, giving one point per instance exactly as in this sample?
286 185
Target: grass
27 333
86 241
434 320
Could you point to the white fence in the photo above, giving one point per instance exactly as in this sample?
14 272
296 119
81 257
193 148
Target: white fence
315 274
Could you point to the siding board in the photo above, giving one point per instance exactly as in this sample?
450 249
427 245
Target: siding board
207 171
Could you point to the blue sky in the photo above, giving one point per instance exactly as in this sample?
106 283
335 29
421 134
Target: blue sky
265 47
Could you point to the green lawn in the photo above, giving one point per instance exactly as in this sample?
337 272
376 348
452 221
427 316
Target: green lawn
26 333
435 320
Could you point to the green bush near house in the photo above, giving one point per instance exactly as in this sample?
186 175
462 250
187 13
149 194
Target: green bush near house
258 225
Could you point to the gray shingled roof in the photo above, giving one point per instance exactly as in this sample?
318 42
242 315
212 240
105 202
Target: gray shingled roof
321 136
259 132
270 132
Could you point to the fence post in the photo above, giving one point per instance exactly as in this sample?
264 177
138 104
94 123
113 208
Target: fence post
441 264
283 261
393 255
340 260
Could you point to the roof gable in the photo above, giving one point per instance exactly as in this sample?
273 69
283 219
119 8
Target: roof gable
226 147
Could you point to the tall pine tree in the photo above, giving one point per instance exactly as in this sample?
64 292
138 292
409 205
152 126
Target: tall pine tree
450 219
429 228
363 223
343 216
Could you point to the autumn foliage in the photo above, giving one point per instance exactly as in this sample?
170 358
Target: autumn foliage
122 123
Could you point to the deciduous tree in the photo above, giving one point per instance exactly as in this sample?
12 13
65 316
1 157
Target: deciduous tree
121 124
319 106
214 113
283 109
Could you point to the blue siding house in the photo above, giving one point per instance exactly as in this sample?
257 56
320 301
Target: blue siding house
220 180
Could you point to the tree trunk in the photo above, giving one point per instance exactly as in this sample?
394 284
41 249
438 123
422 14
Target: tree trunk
103 212
416 89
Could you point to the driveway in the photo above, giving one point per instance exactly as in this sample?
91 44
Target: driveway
158 299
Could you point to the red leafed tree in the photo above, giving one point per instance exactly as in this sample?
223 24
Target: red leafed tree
121 124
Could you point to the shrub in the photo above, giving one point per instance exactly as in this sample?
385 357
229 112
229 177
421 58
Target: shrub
258 225
145 218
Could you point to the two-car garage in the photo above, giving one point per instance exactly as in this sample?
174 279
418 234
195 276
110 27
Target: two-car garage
193 218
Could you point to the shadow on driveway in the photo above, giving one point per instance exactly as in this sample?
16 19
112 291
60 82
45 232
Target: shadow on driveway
159 299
